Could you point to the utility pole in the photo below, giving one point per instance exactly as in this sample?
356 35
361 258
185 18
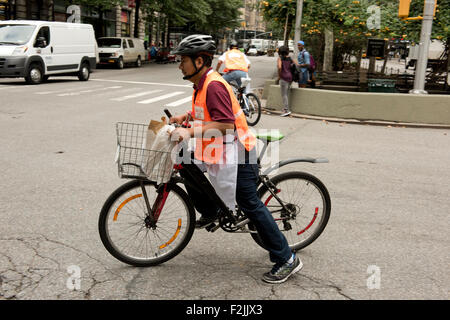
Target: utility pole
425 35
298 25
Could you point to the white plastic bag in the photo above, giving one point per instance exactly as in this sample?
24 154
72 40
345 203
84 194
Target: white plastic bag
158 163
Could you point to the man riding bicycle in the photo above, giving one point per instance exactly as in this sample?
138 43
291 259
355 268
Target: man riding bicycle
236 64
215 108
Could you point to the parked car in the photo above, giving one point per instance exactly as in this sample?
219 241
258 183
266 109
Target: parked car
37 50
164 55
252 51
120 51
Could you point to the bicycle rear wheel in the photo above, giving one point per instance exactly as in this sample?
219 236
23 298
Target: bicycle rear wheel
307 204
128 234
254 109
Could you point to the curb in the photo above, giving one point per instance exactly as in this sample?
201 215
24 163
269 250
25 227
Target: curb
360 122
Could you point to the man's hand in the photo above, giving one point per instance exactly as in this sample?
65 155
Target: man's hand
180 134
178 119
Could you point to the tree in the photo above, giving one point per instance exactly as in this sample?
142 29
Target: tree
353 22
281 15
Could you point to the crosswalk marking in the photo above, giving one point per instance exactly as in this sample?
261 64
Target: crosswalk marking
180 102
16 87
166 96
136 95
87 91
143 82
64 90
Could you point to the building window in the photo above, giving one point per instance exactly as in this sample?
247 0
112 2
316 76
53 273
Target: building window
60 10
125 23
5 10
104 22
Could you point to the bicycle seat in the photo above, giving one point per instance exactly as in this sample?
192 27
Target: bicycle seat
270 136
245 81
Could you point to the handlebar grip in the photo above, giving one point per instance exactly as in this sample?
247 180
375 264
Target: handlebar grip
167 112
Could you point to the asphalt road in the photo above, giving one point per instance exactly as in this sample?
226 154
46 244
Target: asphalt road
387 237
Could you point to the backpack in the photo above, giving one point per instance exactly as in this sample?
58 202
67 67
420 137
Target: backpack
312 63
294 71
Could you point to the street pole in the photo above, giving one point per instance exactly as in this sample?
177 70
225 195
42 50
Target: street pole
298 25
425 35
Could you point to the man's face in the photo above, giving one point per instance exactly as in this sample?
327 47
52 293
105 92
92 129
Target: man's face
300 47
187 67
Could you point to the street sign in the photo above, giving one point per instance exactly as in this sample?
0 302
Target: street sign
376 48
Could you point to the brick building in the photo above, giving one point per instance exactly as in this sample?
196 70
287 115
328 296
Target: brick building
118 21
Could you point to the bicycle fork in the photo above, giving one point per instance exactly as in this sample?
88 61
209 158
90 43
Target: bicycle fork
154 211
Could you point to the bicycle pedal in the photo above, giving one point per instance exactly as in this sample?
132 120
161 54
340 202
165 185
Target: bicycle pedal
212 227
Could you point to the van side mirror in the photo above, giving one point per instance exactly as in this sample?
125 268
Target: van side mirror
41 42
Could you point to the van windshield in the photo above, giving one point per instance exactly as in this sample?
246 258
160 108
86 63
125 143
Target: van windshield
15 34
109 43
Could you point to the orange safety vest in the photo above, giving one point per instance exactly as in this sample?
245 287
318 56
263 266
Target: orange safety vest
235 60
210 149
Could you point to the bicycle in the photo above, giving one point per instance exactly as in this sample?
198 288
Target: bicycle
144 223
249 102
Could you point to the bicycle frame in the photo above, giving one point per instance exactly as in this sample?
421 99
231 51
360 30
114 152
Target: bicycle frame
203 186
198 181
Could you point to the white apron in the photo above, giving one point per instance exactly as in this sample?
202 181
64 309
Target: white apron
223 175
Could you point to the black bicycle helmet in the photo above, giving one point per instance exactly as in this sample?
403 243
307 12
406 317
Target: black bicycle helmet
196 44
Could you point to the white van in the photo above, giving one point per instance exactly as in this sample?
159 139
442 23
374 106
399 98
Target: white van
121 50
37 50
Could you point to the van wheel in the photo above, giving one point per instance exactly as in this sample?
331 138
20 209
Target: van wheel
139 62
120 63
84 72
35 74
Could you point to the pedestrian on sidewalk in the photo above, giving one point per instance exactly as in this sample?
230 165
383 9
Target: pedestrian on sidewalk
285 77
303 62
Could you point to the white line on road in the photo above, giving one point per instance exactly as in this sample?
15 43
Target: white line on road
87 91
6 87
64 90
166 96
180 102
150 83
136 95
16 87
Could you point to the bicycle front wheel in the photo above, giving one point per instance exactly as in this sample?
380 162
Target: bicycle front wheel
128 233
305 211
254 109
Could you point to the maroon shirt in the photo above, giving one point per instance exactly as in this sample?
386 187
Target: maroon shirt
218 100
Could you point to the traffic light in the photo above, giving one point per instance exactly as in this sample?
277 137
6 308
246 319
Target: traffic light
403 8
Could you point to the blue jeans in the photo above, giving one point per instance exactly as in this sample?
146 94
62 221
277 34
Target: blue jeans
235 75
248 200
304 76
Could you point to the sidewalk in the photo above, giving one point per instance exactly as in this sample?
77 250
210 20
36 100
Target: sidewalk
342 121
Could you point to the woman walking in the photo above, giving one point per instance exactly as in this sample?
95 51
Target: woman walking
285 77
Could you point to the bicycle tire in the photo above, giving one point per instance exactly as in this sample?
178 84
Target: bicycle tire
253 121
125 204
310 218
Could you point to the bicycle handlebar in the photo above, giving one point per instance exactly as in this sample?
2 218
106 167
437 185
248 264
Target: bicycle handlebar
167 112
183 125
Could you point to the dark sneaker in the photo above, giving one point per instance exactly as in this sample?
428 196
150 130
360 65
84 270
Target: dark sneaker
205 221
280 273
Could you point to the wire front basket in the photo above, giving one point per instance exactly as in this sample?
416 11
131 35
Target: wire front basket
135 161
